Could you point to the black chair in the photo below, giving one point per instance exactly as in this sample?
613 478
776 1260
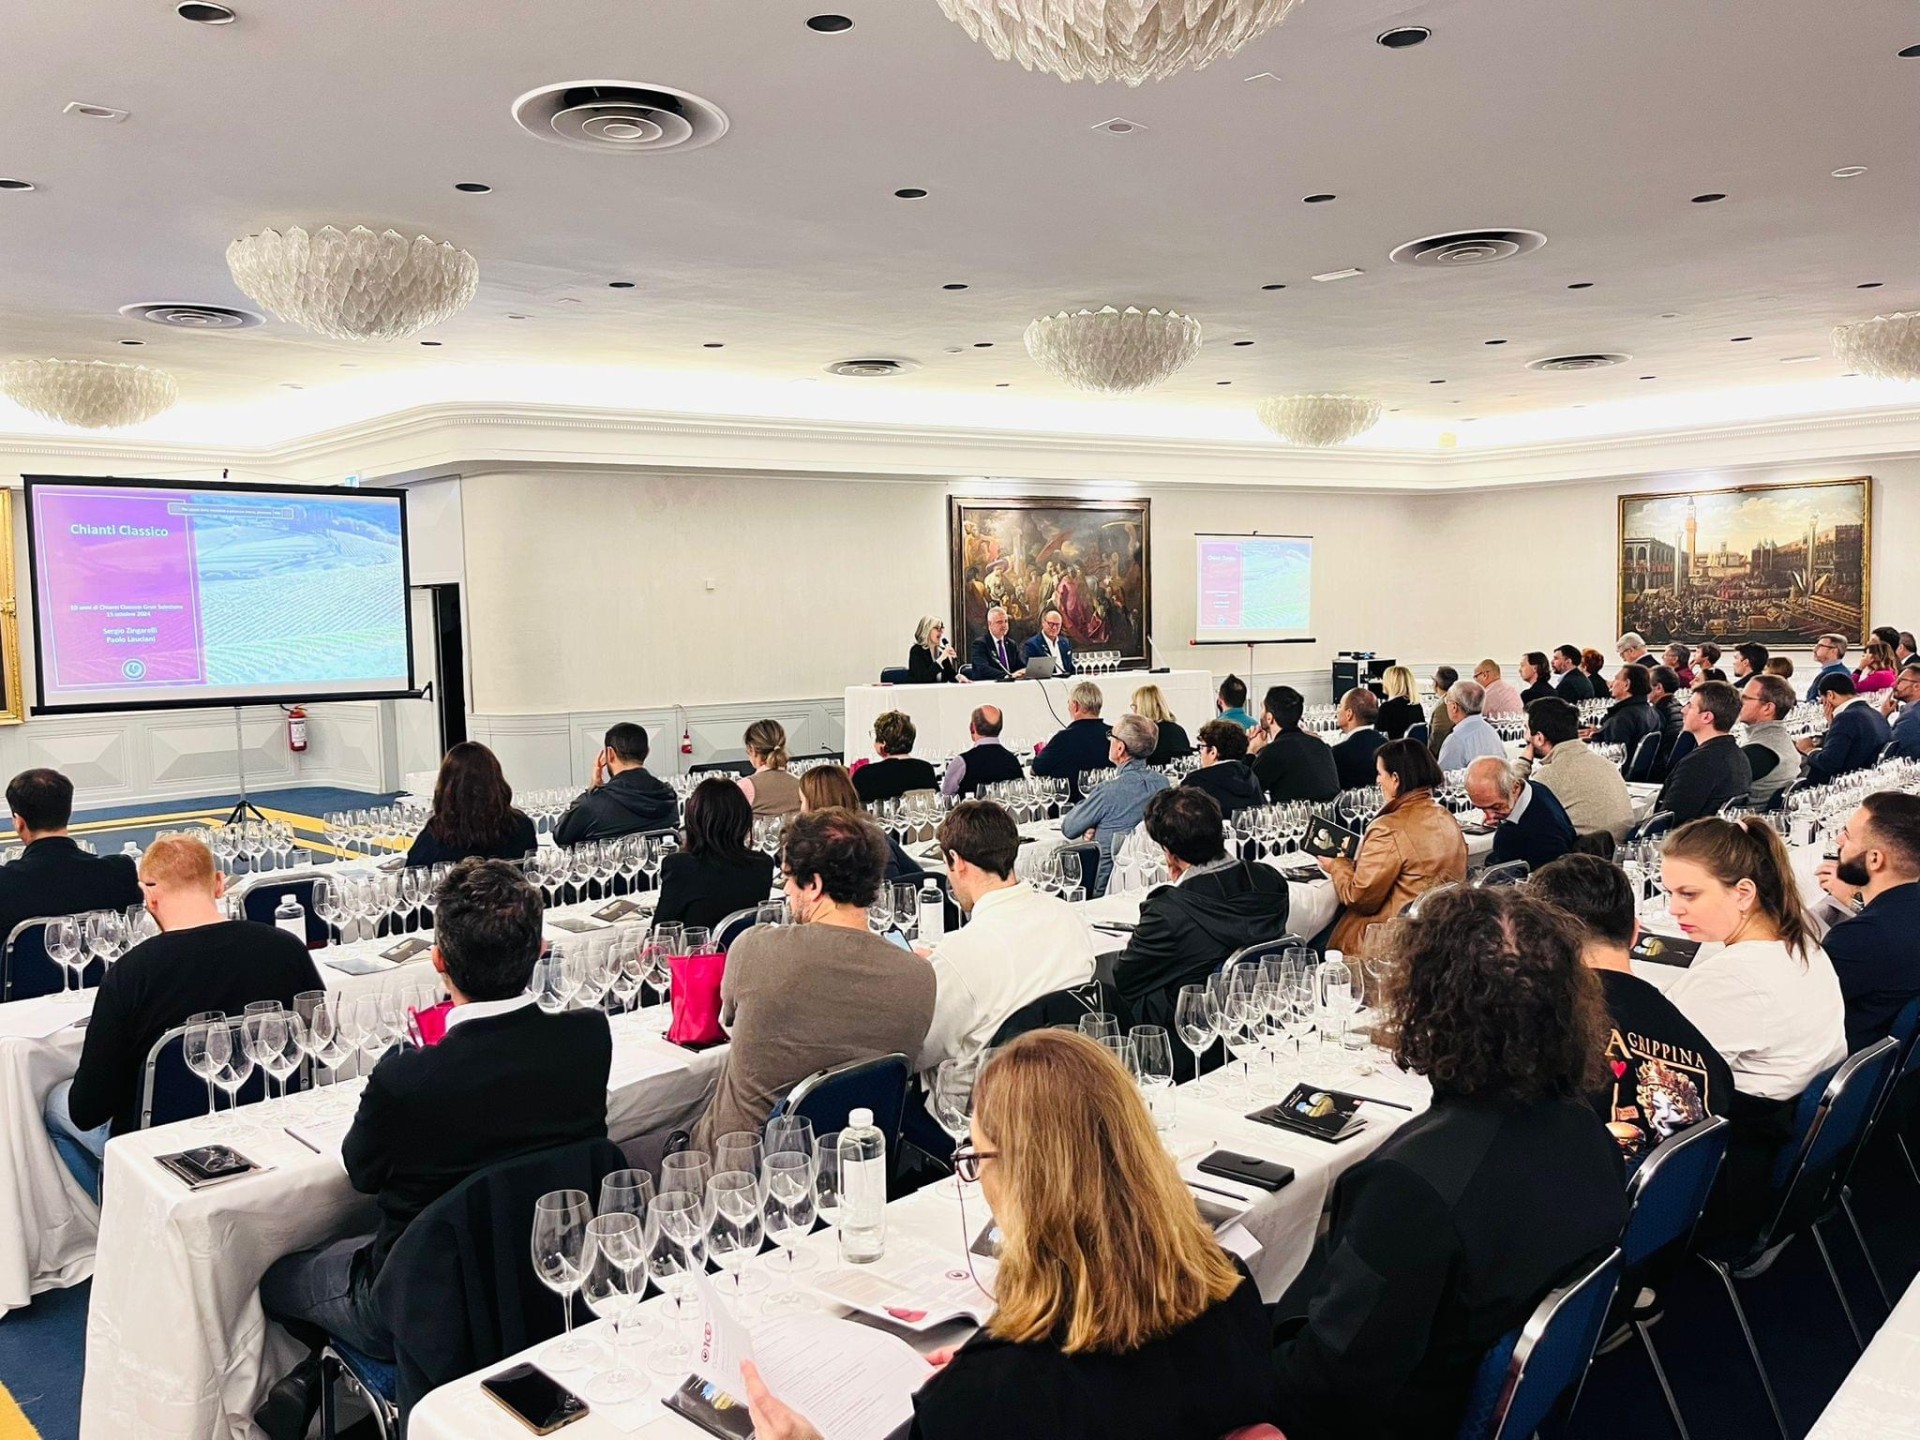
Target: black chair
1065 1007
1651 828
895 675
1905 1033
1418 732
30 972
721 767
1644 760
1512 872
261 895
1534 1374
827 1097
169 1091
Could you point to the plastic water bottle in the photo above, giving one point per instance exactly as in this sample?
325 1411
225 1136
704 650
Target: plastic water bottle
933 914
291 916
863 1190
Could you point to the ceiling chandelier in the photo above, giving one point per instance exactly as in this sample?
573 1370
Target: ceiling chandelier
1318 419
1886 347
1126 40
354 284
92 394
1111 350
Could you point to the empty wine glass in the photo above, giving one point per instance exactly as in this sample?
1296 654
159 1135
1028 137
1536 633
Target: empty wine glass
1098 1025
65 945
678 1254
1193 1018
789 1216
734 1227
953 1082
197 1050
559 1259
1153 1067
613 1249
233 1067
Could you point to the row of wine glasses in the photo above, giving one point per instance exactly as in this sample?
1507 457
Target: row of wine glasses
913 816
378 902
76 942
1255 1006
1037 797
1057 871
376 833
895 909
1097 662
571 874
250 846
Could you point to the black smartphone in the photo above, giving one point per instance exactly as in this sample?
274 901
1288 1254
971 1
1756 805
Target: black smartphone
1230 1165
534 1398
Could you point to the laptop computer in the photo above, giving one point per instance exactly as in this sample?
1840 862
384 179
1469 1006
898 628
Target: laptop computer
1039 667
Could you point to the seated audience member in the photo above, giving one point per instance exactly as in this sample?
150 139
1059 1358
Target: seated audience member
716 871
1904 650
1536 677
1830 652
1876 951
1118 804
1679 659
1083 744
1707 662
1664 1075
1856 733
986 762
1117 1314
823 991
994 656
1471 736
771 789
1214 905
1451 1232
1877 668
1901 706
828 787
1632 649
1018 944
1630 719
506 1080
1749 660
897 770
1411 846
1715 772
1173 744
1588 786
1570 681
53 875
1440 722
1780 665
473 816
1664 699
1888 636
1353 756
1497 695
1531 824
1051 642
1760 989
1595 664
1400 711
930 659
200 961
1231 702
625 797
1224 773
1772 757
1290 763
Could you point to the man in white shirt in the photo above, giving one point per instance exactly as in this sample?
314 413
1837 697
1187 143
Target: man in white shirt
1017 946
1471 736
1051 643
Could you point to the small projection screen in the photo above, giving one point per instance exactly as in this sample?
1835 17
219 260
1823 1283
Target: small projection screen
1253 587
150 594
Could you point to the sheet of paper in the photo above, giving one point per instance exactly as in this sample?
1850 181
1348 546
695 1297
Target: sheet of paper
852 1381
723 1342
914 1285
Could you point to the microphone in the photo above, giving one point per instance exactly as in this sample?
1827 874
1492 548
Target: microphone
1153 669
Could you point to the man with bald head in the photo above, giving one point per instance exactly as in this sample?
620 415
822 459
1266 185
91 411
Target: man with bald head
1532 823
988 762
1052 641
994 656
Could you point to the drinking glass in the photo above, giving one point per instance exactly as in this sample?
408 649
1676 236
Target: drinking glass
1098 1025
699 940
1336 999
612 1250
559 1258
259 1038
687 1171
676 1256
953 1083
1121 1048
283 1045
789 1218
65 944
734 1227
906 908
790 1132
233 1067
197 1050
1194 1018
1153 1067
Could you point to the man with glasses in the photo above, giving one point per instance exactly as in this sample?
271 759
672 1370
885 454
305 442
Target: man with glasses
994 656
1051 643
1765 703
1831 652
1899 706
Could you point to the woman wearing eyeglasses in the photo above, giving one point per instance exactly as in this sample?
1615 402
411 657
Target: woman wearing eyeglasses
1118 1316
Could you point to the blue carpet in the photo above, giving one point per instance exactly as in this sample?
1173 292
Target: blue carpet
42 1356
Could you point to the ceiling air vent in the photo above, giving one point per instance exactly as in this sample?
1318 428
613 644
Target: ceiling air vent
1467 247
871 369
619 117
1598 360
193 317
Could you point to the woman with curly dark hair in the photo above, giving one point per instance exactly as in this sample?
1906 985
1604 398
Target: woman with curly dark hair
473 814
1449 1234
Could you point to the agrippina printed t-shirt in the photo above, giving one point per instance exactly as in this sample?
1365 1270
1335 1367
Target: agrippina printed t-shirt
1662 1074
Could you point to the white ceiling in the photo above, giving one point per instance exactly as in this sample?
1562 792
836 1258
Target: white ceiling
1593 121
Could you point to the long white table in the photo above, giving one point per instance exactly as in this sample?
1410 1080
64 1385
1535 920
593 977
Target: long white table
1034 709
1880 1398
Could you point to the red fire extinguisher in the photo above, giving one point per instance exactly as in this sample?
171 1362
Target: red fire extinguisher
297 729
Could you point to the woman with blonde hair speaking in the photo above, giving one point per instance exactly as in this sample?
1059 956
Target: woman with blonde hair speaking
1118 1316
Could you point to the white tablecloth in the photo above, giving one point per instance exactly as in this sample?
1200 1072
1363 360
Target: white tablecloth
47 1223
1034 709
1880 1398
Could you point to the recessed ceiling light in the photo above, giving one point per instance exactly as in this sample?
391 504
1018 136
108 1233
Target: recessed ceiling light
85 111
1709 198
1581 285
953 285
1223 382
349 364
202 13
1403 37
1002 384
871 368
16 185
1120 125
956 349
1847 172
1797 359
1347 274
1273 287
1669 314
433 344
290 385
1320 199
133 342
713 345
473 187
983 344
1649 377
1436 382
1739 339
1493 342
1242 343
1870 285
516 317
620 284
829 24
911 193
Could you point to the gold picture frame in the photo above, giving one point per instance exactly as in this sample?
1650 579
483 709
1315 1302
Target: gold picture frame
13 704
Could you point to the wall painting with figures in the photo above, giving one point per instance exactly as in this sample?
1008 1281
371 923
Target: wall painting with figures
1086 558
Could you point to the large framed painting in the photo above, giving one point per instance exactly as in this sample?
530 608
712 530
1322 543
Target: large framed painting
12 696
1780 564
1086 558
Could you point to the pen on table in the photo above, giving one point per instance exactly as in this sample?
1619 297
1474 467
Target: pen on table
303 1140
1214 1190
1376 1100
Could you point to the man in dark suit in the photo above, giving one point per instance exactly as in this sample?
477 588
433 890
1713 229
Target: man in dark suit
1353 756
1876 953
1901 706
993 655
1715 771
1570 682
1083 744
507 1079
1856 733
625 797
55 876
1664 699
1532 823
1214 906
1289 763
1052 642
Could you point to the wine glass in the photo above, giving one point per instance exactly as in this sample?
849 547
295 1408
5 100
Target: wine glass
953 1082
828 1196
197 1050
559 1259
1336 999
1193 1019
1153 1067
613 1249
1098 1025
734 1228
65 943
789 1217
258 1040
284 1046
233 1067
677 1255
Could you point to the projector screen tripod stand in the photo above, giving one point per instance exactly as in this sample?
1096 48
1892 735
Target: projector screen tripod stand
245 809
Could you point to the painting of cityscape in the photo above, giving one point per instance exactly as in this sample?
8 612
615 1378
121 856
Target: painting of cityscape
1779 564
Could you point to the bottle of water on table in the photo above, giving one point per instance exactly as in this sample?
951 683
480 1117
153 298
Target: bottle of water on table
863 1189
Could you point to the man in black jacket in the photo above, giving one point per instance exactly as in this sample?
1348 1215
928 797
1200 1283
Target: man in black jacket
1570 682
1716 770
1664 699
507 1079
55 876
1083 745
1213 907
1287 761
625 797
1532 823
1353 756
1876 953
1630 718
1224 773
1856 733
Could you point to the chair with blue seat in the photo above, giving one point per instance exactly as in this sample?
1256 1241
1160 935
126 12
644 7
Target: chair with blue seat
260 896
828 1096
1085 856
378 1382
1905 1034
1644 761
733 927
1807 1181
1653 827
1533 1375
169 1091
27 971
1418 732
895 675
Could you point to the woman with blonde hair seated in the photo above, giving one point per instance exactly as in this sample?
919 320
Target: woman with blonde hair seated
1117 1315
771 789
1400 711
1172 744
931 661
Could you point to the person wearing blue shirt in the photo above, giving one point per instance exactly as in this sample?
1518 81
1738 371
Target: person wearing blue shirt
1120 802
1904 711
1472 736
1831 652
1231 702
1051 642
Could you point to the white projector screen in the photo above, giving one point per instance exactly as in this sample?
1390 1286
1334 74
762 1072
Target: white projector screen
1253 587
148 593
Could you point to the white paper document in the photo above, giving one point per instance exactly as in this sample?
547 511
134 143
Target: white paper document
914 1285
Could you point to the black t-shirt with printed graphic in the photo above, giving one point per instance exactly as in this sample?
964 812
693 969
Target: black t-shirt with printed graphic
1663 1074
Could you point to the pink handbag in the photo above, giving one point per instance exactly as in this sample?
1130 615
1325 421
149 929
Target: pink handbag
696 999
